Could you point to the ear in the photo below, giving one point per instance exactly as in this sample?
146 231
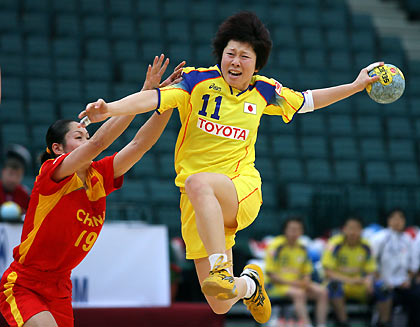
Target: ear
57 148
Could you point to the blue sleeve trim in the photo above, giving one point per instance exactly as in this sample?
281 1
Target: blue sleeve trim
368 251
337 249
158 105
303 103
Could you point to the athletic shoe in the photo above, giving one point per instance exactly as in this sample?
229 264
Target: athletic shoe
258 304
220 283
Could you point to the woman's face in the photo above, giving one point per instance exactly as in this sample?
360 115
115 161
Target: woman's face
75 137
238 64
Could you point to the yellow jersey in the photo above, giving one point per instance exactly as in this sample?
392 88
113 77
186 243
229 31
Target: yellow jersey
353 261
291 262
220 123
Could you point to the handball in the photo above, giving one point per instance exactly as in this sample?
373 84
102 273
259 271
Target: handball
389 87
10 211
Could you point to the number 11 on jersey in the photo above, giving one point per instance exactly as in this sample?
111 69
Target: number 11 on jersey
215 114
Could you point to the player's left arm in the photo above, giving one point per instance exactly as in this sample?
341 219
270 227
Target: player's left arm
328 96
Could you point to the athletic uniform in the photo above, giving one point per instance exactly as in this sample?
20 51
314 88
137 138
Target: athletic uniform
62 223
218 134
356 261
291 262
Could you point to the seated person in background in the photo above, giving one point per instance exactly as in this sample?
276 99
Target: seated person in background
11 189
416 281
289 269
394 253
349 267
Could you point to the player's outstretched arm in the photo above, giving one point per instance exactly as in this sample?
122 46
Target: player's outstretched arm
145 138
136 103
107 133
327 96
149 133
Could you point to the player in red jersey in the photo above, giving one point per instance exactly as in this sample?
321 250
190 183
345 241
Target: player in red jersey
67 210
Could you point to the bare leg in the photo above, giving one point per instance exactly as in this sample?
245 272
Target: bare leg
384 309
42 319
339 306
298 296
202 266
215 203
320 294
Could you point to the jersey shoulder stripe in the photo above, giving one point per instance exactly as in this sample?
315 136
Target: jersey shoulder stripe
365 246
265 87
193 76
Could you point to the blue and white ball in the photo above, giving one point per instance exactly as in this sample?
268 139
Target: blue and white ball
10 211
389 87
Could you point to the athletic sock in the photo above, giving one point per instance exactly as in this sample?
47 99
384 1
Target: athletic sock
214 257
250 286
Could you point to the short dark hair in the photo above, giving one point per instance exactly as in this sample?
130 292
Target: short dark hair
394 210
14 163
56 134
244 26
295 219
353 218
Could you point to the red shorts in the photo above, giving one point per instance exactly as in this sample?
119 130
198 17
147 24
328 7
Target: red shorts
25 292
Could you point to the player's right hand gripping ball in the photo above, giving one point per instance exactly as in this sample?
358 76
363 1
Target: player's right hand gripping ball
390 86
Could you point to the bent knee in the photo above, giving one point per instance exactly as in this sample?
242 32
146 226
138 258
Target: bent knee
196 184
299 294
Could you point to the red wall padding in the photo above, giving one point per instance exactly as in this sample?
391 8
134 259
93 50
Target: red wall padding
177 315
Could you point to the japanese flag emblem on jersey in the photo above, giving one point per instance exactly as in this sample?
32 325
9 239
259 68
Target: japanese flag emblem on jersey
250 108
278 88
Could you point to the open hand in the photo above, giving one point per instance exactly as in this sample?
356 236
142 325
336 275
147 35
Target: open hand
175 77
364 79
94 112
157 69
155 72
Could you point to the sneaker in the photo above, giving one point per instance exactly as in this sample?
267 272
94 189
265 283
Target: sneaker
220 283
258 304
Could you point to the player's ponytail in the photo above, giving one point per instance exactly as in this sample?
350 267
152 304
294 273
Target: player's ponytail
56 134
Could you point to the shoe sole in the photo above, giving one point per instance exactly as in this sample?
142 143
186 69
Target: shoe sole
214 289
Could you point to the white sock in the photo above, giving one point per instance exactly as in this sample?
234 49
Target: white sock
250 286
214 257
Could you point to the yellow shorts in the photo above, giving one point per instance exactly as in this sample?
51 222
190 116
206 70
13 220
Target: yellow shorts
278 290
248 189
356 292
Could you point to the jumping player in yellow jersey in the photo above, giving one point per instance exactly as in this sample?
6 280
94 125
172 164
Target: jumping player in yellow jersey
220 108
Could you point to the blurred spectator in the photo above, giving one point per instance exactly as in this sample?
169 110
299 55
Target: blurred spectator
349 267
393 250
415 293
12 192
289 269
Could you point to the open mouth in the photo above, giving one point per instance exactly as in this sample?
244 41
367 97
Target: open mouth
234 73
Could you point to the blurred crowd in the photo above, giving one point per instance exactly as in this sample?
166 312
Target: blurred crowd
375 266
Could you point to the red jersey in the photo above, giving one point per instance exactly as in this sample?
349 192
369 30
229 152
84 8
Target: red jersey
64 219
20 196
